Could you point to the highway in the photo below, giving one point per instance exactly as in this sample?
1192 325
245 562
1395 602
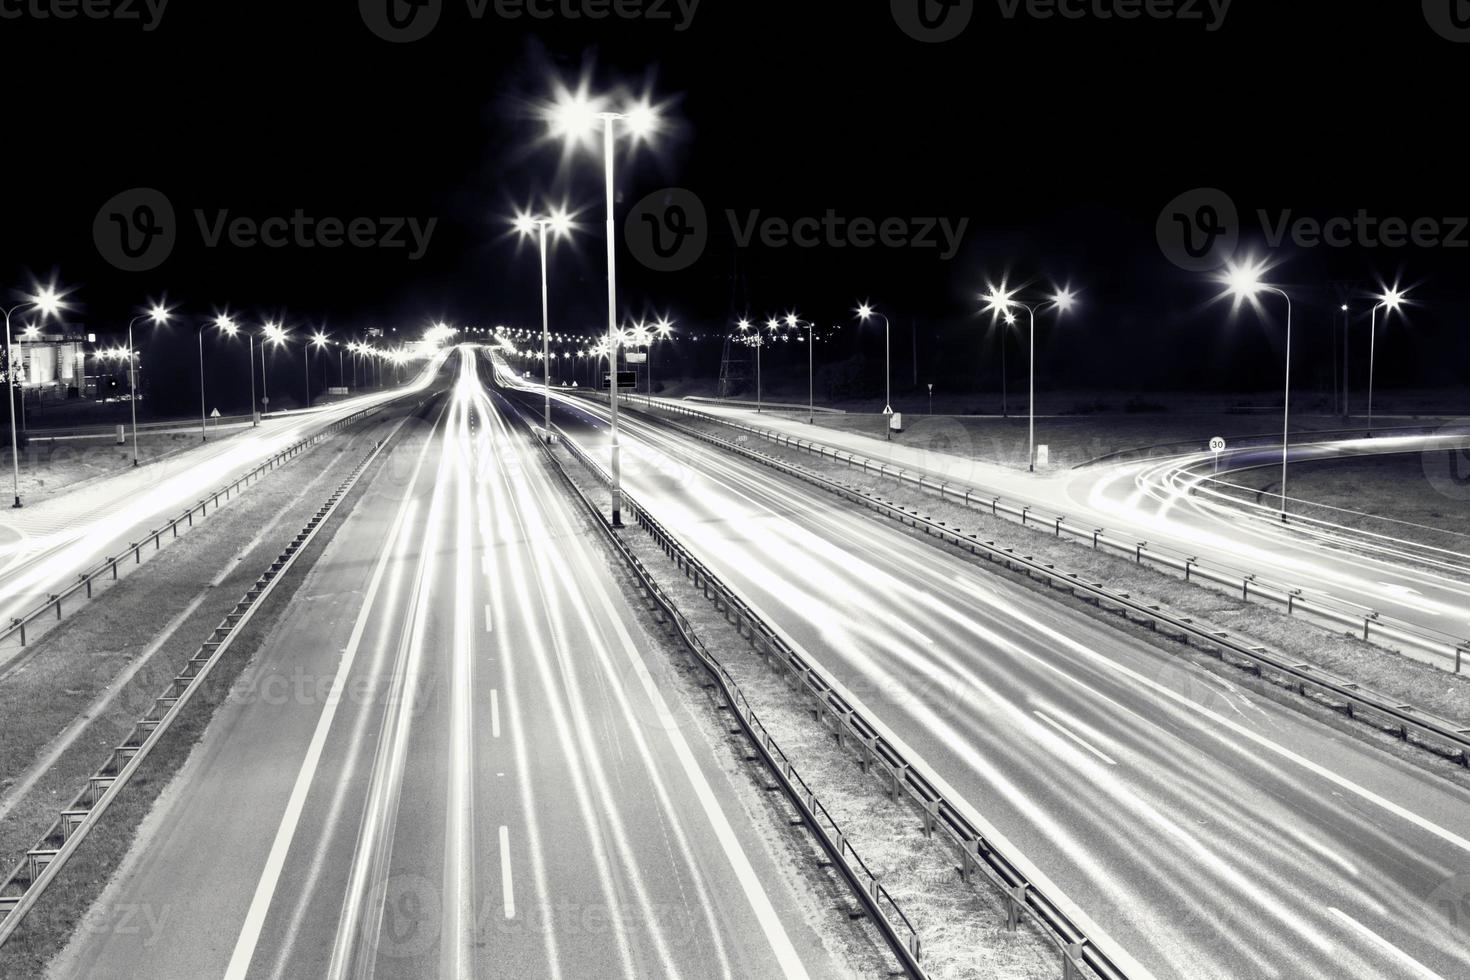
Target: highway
45 544
1208 832
1137 500
455 757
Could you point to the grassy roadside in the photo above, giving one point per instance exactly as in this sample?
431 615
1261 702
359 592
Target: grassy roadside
961 925
86 653
50 468
1410 681
1428 492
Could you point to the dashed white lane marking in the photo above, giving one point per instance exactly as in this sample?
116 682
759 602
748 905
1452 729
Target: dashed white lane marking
1074 737
506 887
495 713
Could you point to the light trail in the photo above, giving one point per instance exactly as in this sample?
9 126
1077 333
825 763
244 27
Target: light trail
1178 827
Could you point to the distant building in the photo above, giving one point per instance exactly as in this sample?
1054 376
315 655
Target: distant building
50 364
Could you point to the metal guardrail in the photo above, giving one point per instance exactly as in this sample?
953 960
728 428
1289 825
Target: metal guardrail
101 430
1366 623
898 932
43 862
977 853
85 580
1452 738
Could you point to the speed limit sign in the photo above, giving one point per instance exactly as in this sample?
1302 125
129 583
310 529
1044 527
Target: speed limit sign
1217 445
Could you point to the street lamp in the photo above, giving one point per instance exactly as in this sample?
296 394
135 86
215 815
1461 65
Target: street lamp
158 314
574 117
1243 282
866 313
46 301
230 328
1000 300
275 334
318 340
662 330
1390 300
793 321
559 223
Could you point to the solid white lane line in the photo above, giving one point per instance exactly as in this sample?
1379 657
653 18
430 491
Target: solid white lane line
265 889
1075 738
507 887
1404 959
495 713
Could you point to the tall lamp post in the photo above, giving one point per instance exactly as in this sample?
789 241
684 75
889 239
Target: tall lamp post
274 333
865 313
159 315
47 302
559 223
1244 283
793 321
574 117
318 340
230 328
1000 300
662 330
1390 300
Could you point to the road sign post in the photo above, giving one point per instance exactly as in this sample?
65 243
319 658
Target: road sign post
1217 446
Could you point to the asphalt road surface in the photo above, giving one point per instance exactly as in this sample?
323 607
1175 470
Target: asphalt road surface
452 759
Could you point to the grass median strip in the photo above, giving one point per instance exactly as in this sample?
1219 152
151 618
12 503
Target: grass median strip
963 929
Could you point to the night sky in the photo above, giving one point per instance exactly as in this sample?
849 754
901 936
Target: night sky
1059 140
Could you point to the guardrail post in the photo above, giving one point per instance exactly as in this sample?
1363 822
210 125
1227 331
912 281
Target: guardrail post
1188 564
1138 551
21 624
1368 624
1245 586
1072 961
1460 652
1015 902
1291 598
